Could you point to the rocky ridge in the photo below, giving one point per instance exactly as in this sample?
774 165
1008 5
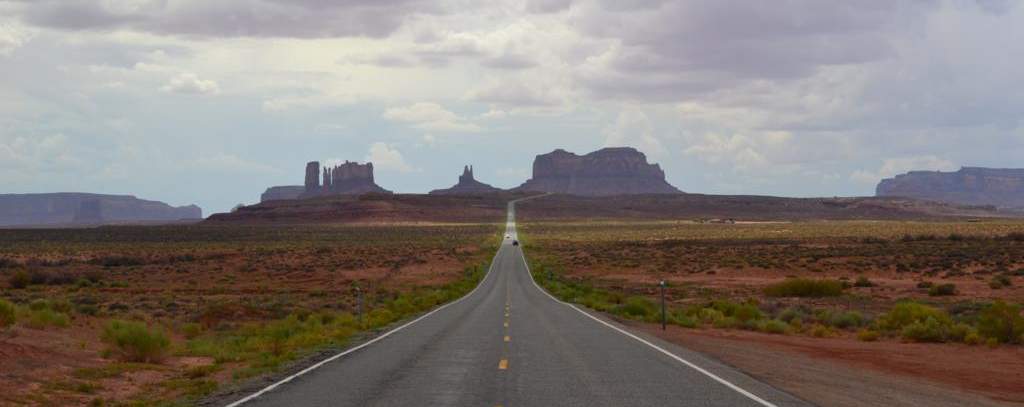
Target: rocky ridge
1003 188
88 209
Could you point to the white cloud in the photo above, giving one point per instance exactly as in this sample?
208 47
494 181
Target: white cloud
190 84
633 129
430 116
744 153
893 166
387 157
12 37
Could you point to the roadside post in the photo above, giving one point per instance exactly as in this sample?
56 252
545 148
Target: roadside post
359 306
664 316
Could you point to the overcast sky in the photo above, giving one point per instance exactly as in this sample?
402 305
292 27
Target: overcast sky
210 102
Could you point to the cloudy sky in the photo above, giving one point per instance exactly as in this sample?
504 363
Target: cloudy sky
210 102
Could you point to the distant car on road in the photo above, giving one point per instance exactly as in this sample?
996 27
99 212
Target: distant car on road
515 243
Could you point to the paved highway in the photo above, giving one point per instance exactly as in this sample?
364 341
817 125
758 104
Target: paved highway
508 343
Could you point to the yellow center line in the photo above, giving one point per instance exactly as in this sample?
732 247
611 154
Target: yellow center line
506 324
507 338
503 364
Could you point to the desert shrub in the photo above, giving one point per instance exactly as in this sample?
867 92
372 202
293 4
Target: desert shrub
46 317
191 330
1001 321
682 319
821 331
134 342
942 290
638 307
87 309
793 313
774 326
19 279
929 330
844 320
973 338
117 261
7 263
725 323
1000 281
959 332
805 287
37 305
907 313
867 335
8 313
1015 236
863 282
925 284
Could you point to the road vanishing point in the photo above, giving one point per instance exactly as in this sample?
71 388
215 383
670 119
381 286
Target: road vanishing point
509 343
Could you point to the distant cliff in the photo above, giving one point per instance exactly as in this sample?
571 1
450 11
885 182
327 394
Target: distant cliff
346 179
609 171
282 193
468 185
87 209
1002 188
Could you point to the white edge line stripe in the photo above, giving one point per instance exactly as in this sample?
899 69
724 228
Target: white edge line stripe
645 342
368 343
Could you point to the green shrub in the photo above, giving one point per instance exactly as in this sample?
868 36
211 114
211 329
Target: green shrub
942 290
639 308
682 319
925 284
774 326
805 287
821 331
1001 321
46 317
134 342
8 313
863 282
20 279
191 330
929 330
907 313
844 320
1000 281
974 339
867 335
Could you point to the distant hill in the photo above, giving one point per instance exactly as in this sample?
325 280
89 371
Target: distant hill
373 208
1002 188
605 172
70 209
401 208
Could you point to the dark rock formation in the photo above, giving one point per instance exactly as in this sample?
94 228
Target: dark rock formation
1002 188
609 171
91 209
346 179
467 185
282 193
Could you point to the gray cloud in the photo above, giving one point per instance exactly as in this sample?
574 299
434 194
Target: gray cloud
230 18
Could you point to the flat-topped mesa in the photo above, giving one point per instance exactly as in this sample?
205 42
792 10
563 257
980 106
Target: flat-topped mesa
609 171
998 187
467 185
350 178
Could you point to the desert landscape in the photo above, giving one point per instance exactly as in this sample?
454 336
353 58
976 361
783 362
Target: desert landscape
514 203
168 315
917 300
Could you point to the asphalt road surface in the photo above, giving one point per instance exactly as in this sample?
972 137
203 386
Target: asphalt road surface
508 343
